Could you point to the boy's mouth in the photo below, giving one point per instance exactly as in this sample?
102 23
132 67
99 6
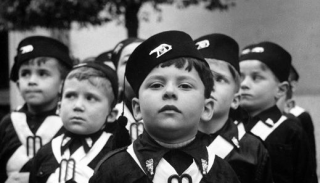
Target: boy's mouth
169 108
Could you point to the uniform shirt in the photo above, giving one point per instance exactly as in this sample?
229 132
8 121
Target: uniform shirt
244 152
150 154
9 140
287 144
45 162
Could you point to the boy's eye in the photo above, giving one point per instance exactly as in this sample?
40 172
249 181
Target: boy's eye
43 73
25 73
220 79
185 86
69 95
91 98
257 77
156 85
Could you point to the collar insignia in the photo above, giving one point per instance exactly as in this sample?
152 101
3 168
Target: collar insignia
204 166
149 165
161 50
269 122
235 142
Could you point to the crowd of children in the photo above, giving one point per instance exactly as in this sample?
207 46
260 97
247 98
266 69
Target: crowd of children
166 109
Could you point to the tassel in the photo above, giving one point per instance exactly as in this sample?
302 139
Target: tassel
121 135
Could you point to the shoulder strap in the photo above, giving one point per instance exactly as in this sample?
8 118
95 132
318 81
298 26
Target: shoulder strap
107 156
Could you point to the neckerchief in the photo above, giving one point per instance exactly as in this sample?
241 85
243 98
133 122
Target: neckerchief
149 152
74 141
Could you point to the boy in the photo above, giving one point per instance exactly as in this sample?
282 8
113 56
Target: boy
172 83
40 66
120 56
88 95
299 112
245 152
265 70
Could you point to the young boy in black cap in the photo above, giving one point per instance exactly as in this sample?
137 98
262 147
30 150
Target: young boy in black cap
299 112
88 95
120 56
265 70
172 83
229 140
40 66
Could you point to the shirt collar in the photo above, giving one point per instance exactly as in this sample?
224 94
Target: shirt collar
229 132
148 150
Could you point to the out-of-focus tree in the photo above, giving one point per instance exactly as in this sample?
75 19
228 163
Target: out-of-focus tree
60 14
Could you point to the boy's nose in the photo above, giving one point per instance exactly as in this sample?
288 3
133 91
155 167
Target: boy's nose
170 92
33 79
244 83
78 105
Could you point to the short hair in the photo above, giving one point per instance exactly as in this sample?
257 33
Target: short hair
200 66
63 69
95 77
236 77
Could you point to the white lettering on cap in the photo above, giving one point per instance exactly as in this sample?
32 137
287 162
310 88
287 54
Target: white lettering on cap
257 49
26 49
203 44
161 50
253 50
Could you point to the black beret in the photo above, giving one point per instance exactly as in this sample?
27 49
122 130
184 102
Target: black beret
40 46
116 52
294 75
104 57
158 49
271 54
220 47
110 73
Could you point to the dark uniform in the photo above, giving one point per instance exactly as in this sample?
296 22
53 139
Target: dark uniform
307 125
21 135
287 145
51 161
147 161
245 153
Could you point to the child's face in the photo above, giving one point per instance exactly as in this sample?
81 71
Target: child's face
224 87
84 107
258 87
171 103
125 54
39 83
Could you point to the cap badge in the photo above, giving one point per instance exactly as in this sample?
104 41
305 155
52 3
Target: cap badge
161 50
26 49
203 44
253 50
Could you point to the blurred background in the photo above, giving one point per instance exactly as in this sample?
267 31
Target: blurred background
294 24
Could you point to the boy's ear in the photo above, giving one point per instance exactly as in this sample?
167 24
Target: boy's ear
236 101
282 89
112 115
58 107
208 109
136 109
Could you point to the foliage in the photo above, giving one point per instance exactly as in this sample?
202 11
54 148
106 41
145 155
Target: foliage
59 14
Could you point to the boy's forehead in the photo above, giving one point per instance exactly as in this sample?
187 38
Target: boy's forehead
254 65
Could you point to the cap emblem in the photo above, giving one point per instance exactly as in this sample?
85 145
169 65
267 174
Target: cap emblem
161 50
26 49
253 50
203 44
